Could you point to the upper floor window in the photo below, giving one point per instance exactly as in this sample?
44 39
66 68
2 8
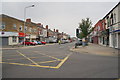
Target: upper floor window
35 30
14 26
114 18
98 28
30 29
111 19
25 28
108 21
20 29
2 25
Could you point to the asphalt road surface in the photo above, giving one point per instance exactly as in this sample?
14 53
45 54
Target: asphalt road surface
56 61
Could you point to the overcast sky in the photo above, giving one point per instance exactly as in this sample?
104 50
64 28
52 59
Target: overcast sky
64 16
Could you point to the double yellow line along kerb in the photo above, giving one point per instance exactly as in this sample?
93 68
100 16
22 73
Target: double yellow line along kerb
35 64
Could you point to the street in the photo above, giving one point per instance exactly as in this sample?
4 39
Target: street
56 61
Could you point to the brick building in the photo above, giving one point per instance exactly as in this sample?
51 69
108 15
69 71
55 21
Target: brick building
12 30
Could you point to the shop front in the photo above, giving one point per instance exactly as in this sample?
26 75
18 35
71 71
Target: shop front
9 38
21 37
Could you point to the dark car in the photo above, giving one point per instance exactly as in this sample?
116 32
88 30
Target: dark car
78 43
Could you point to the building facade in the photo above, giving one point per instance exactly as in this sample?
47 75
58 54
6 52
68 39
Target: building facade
113 24
13 32
107 30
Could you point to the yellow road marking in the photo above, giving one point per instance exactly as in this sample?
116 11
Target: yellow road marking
28 58
48 56
29 65
22 58
63 61
48 61
37 65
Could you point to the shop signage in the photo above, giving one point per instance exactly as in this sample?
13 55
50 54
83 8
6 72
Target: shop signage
6 34
21 34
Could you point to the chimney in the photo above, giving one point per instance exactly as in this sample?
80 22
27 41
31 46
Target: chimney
28 20
57 30
54 30
39 24
46 26
62 33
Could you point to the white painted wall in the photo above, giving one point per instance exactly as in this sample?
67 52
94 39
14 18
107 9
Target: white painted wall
10 39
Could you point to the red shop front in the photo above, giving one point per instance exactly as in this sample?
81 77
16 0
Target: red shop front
21 37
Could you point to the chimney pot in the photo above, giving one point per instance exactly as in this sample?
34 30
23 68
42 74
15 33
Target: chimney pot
54 30
28 20
46 26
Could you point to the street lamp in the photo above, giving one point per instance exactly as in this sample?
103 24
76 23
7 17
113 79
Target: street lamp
25 19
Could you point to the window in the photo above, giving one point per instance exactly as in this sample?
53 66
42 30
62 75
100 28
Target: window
30 29
114 18
2 25
103 25
20 29
14 39
14 26
111 18
98 28
25 28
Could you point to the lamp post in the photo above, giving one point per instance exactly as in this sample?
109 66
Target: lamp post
25 19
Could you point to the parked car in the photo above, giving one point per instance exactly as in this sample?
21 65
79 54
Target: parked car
78 43
39 42
43 42
35 41
28 43
63 41
67 41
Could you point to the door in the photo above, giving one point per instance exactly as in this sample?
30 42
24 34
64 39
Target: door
4 41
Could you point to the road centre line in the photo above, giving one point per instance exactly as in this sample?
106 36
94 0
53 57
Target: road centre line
48 56
28 58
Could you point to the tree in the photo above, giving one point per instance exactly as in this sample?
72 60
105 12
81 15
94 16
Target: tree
85 27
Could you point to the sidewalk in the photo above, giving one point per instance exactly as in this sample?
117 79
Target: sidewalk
97 50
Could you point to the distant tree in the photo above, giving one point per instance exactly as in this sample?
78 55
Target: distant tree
85 27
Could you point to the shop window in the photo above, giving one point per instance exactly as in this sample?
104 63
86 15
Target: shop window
14 26
2 25
14 39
